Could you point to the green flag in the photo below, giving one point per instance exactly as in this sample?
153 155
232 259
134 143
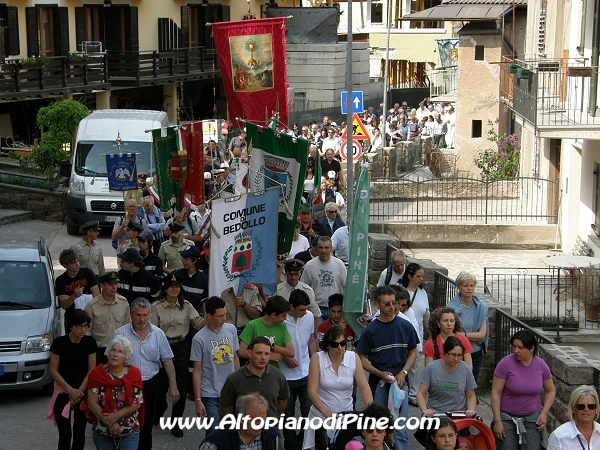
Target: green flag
278 159
317 178
356 281
171 167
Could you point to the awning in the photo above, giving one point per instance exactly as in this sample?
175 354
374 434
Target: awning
461 12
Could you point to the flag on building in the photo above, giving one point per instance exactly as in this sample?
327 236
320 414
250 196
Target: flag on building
121 171
252 61
243 242
356 281
171 168
191 141
278 160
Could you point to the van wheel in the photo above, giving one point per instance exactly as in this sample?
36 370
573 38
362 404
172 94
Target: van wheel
48 389
72 229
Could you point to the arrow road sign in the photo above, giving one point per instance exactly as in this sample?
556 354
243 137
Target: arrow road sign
356 100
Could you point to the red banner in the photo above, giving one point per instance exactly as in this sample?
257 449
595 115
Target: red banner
252 60
191 141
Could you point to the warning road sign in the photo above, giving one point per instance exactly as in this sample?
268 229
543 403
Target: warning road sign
356 150
359 132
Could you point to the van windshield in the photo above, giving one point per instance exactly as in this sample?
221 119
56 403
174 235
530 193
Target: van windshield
90 158
24 285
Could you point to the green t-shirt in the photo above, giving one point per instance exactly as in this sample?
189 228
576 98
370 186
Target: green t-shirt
277 334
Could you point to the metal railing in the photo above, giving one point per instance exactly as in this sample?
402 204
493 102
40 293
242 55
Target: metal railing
507 325
596 378
551 298
513 200
444 289
551 92
443 81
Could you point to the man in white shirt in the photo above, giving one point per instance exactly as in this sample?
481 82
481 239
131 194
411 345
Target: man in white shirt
340 242
393 274
300 324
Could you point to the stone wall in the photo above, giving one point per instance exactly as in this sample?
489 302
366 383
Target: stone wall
44 205
571 366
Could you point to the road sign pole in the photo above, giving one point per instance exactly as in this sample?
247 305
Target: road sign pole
349 85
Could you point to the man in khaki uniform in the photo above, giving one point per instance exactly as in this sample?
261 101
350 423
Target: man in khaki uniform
169 250
108 312
242 309
88 250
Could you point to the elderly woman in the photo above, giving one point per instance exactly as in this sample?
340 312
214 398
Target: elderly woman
114 397
519 417
72 357
582 431
331 376
473 316
174 315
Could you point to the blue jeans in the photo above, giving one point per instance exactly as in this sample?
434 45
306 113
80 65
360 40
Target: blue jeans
381 398
477 358
298 390
129 442
324 314
212 410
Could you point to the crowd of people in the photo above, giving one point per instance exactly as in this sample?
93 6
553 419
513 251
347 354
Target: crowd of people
150 333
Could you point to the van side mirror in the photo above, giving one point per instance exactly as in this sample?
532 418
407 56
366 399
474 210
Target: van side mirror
65 168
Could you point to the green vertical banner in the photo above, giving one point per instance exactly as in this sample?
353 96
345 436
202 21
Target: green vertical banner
171 167
356 281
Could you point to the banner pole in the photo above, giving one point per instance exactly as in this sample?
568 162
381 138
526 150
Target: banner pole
349 160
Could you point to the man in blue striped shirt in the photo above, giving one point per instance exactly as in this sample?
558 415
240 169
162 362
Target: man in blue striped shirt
150 348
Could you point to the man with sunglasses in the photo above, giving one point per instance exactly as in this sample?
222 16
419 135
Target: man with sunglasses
388 350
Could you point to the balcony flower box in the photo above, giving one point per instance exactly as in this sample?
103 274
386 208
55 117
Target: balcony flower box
523 73
512 68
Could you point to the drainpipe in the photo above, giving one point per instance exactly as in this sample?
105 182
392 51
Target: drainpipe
594 80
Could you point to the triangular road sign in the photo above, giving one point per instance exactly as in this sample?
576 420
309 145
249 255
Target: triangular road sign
359 132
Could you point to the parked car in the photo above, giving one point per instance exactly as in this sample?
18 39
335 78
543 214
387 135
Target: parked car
30 314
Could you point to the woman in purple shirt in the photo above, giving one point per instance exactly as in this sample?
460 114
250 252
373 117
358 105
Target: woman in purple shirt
519 417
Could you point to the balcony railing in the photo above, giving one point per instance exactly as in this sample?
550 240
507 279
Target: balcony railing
52 77
551 93
148 68
443 81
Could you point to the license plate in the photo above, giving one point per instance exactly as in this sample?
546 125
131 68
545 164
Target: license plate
110 218
1 370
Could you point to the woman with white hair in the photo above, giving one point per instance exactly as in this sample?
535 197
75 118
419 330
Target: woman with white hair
582 431
473 316
114 398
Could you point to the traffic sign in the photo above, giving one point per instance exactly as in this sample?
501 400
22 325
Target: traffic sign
356 101
359 132
356 150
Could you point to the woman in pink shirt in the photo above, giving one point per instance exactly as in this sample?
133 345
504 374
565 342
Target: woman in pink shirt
519 417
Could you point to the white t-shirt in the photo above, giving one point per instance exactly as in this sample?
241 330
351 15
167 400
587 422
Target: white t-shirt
420 306
325 278
299 246
300 330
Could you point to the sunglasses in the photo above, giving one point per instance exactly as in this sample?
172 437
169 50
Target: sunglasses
331 211
388 304
337 344
590 406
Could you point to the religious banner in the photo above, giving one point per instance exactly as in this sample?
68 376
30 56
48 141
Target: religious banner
171 168
356 281
243 242
278 160
191 141
252 60
121 171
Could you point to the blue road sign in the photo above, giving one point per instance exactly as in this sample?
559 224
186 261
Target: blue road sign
357 102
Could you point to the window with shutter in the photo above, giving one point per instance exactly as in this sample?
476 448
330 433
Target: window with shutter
134 30
13 45
63 48
33 40
46 27
185 26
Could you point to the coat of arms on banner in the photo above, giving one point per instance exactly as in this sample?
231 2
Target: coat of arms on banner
238 259
178 166
275 174
251 62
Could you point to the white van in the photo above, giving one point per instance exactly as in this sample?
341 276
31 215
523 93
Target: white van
30 315
88 197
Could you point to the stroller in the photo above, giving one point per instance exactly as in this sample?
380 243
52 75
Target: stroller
482 438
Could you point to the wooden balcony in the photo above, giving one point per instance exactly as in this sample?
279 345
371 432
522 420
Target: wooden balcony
137 69
54 77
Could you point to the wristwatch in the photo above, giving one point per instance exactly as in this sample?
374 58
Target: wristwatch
405 372
198 399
